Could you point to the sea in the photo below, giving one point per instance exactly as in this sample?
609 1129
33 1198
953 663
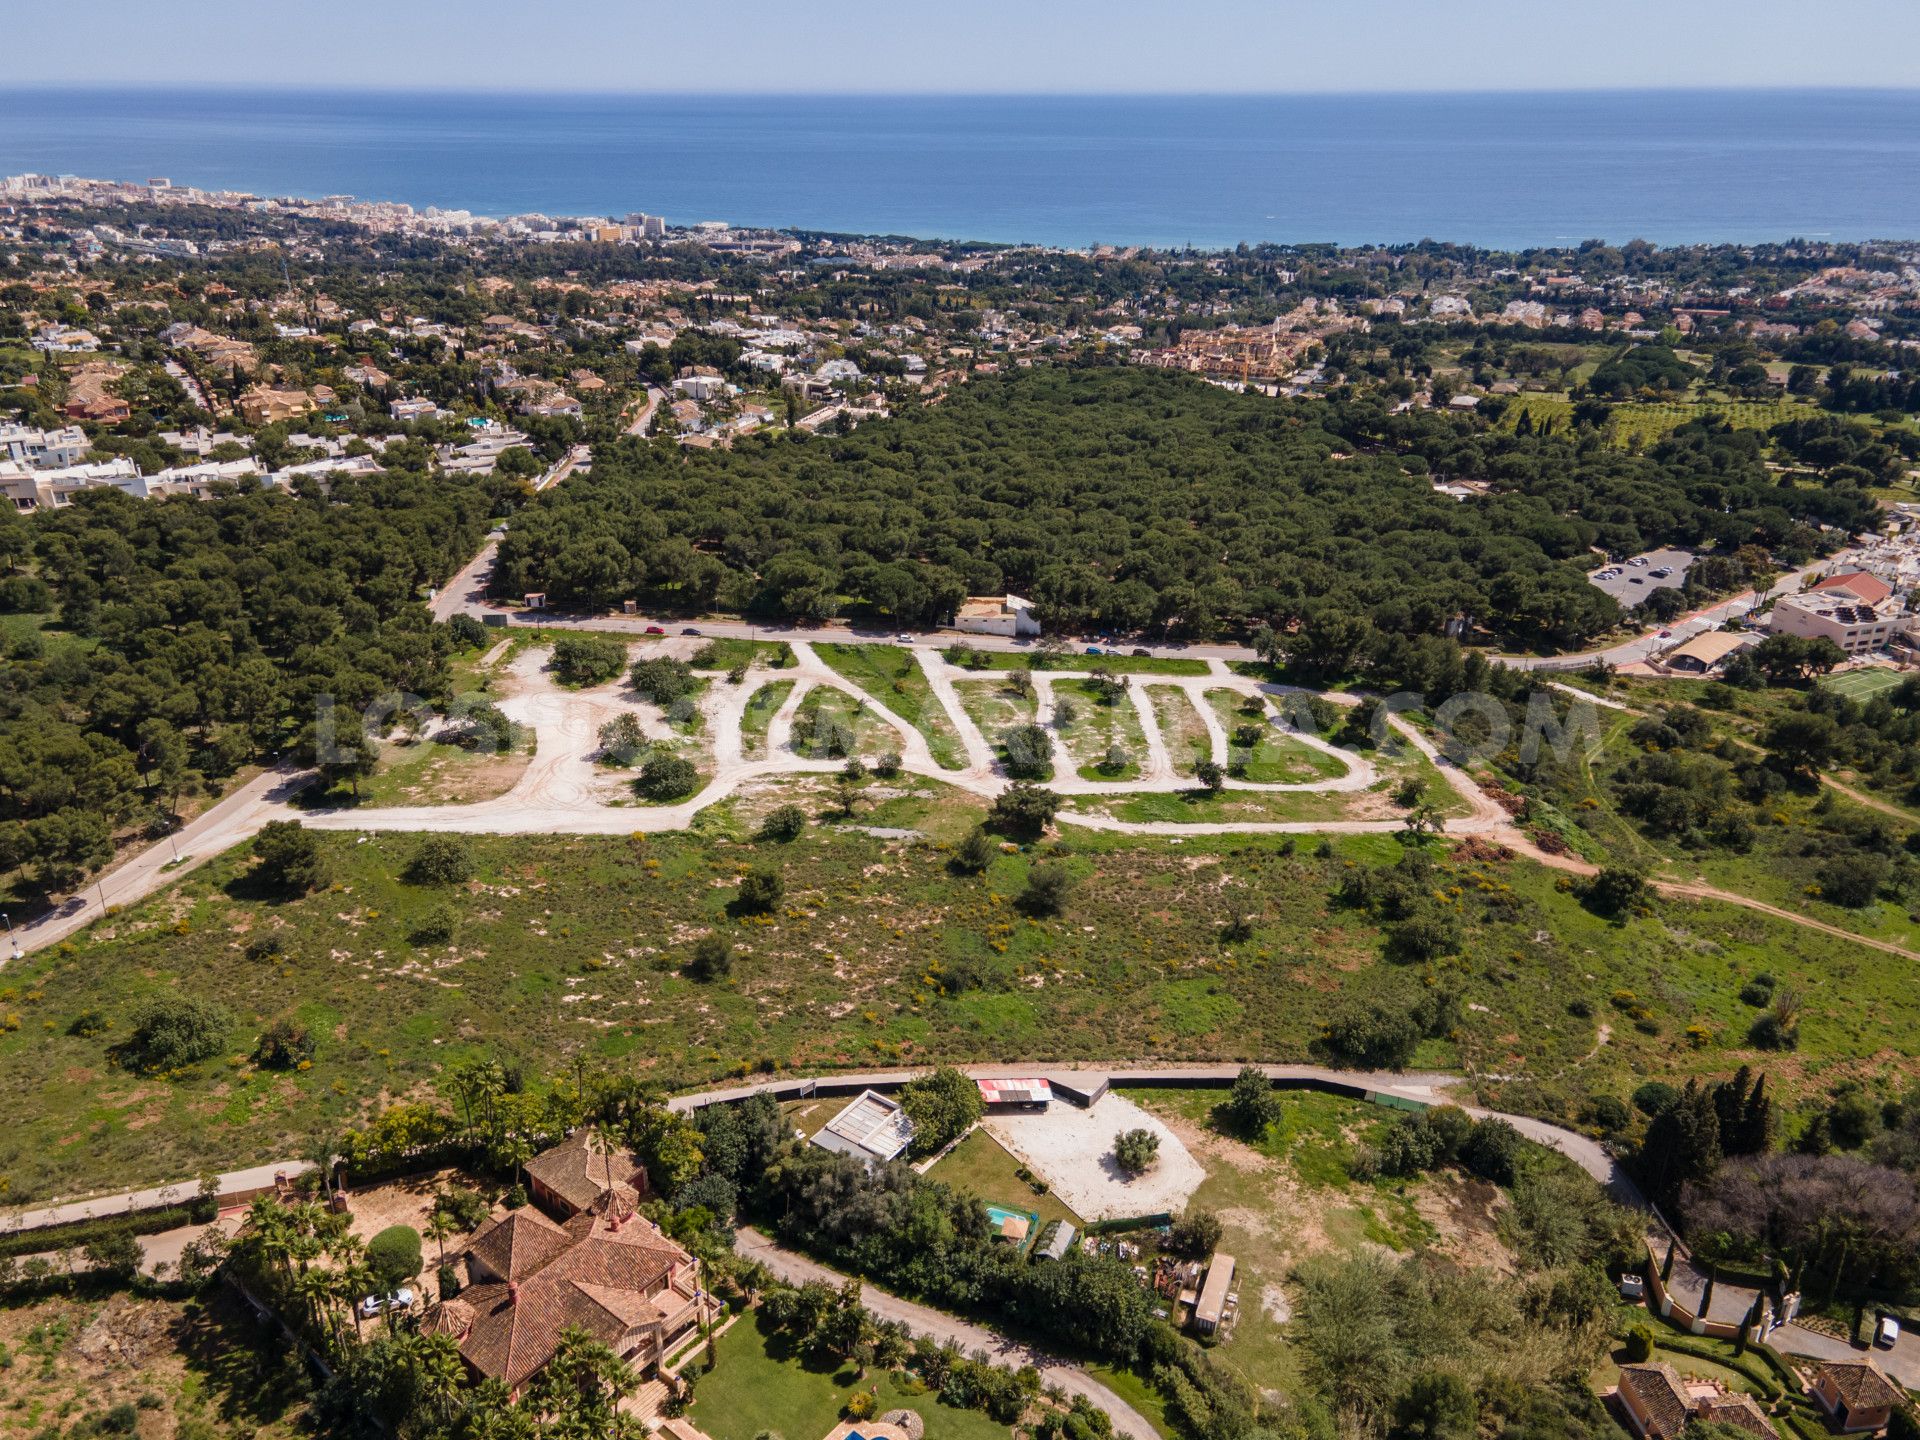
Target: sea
1506 171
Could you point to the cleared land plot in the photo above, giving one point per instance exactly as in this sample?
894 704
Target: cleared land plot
830 724
762 706
1072 1150
428 772
1278 758
1185 733
1098 725
995 707
725 653
893 677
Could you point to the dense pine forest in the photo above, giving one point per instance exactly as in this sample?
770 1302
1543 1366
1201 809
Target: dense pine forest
1129 500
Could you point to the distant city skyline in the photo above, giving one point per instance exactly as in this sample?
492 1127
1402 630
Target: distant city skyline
973 46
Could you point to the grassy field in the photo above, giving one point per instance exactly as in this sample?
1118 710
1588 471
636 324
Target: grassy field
566 950
762 706
1185 733
891 675
825 711
1288 1195
995 707
760 1385
1097 726
1278 759
725 653
1645 422
981 1166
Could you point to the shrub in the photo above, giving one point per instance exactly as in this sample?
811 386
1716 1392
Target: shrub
761 889
394 1256
440 860
1656 1097
466 1208
289 857
1614 891
1639 1348
1758 992
587 659
712 958
784 824
175 1030
449 1279
887 766
1136 1151
663 681
1373 1035
1047 889
434 926
1195 1234
667 777
1029 752
283 1045
1252 1104
87 1024
1023 811
622 740
1210 774
975 852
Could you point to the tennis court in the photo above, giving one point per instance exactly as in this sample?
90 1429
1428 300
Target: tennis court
1863 684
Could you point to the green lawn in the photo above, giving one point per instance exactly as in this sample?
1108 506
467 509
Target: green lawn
893 677
759 1384
762 706
981 1166
1279 759
725 653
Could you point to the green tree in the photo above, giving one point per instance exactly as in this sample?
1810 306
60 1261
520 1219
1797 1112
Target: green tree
1136 1151
943 1105
289 857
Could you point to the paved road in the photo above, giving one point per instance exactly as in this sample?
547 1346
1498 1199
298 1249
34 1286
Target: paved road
643 422
180 1192
218 828
797 1269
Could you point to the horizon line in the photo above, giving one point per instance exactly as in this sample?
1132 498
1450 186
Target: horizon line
144 87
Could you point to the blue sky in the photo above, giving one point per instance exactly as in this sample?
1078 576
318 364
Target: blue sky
966 46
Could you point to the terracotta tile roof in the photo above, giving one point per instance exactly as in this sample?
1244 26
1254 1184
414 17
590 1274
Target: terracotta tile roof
605 1278
572 1170
1657 1394
1860 1385
1733 1408
518 1244
1861 585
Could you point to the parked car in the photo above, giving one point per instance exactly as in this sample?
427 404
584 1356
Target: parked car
655 630
1638 560
691 630
1140 652
1095 650
1636 579
903 638
401 1299
1662 572
1887 1333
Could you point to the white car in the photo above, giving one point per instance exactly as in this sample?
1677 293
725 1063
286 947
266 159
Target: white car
1887 1333
1638 560
401 1299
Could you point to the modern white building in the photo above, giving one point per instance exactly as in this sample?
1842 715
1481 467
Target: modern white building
996 615
43 449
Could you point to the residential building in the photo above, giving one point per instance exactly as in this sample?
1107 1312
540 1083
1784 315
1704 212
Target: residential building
1659 1405
43 449
571 1176
996 615
29 489
1840 609
1855 1395
606 1271
265 405
415 409
872 1128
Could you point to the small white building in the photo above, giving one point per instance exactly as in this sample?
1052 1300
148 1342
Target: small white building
996 615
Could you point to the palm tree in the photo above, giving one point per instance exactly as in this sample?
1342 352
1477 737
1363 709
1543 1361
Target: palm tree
439 1374
357 1281
439 1226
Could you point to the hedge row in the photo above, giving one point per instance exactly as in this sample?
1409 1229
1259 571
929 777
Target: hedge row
84 1232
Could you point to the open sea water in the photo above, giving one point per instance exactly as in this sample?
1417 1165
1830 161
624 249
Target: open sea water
1505 170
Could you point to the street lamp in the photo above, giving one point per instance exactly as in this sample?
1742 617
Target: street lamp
12 939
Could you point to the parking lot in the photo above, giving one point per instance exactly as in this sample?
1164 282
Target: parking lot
1634 582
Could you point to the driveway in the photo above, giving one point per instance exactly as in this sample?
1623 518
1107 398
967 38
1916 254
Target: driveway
797 1269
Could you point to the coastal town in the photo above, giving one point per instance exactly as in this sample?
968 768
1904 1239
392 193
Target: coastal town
623 827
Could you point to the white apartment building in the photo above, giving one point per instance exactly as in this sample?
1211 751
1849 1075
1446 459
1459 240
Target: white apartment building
1856 611
43 449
